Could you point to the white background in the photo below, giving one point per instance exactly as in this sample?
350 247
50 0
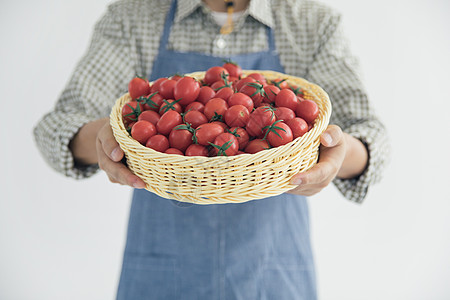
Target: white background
63 239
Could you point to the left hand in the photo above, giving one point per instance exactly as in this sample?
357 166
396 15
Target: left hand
332 152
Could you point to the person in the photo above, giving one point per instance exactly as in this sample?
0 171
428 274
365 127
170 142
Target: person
254 250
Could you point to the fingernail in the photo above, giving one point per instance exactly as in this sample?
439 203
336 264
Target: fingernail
138 185
327 138
116 154
296 181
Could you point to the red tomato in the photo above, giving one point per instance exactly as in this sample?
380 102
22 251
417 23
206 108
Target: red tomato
151 101
158 142
157 84
138 87
279 133
196 150
261 117
170 104
214 108
280 83
233 69
176 77
186 90
173 151
286 98
142 131
180 137
214 74
284 113
241 99
241 135
258 77
225 144
236 116
195 118
307 110
166 88
168 121
149 115
243 82
298 126
206 94
271 92
224 93
218 84
131 111
206 133
254 90
195 106
256 145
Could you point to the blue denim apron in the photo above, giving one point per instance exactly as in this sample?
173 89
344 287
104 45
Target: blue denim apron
255 250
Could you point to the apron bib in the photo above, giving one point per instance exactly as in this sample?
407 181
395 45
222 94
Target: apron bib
255 250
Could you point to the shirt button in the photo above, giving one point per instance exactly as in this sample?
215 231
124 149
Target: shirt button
220 43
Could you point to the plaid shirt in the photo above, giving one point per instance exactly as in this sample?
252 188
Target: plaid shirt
309 40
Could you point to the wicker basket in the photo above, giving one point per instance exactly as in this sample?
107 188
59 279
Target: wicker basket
234 179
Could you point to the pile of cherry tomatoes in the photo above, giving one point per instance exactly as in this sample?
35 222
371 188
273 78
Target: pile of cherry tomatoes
225 113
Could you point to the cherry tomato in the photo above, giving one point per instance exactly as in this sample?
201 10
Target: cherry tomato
215 107
222 124
280 83
157 84
186 90
298 126
170 104
150 116
256 145
166 88
168 121
131 111
307 110
241 99
195 106
243 82
173 151
225 144
233 69
176 77
258 77
195 118
138 87
224 93
279 133
286 98
206 133
158 142
151 101
206 94
261 117
271 92
241 135
284 113
142 131
180 138
214 74
236 116
254 90
196 150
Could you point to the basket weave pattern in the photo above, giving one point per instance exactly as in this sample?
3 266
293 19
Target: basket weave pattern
234 179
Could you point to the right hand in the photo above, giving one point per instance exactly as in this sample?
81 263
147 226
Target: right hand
109 157
95 143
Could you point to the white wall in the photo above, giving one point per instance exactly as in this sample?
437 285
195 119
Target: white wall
63 239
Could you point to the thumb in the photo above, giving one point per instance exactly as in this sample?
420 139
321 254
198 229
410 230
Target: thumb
332 136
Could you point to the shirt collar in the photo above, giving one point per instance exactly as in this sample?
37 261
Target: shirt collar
260 10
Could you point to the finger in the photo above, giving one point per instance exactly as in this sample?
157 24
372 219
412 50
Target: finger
116 171
318 176
332 136
109 143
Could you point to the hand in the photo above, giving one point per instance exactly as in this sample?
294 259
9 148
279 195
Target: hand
109 157
332 153
95 144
